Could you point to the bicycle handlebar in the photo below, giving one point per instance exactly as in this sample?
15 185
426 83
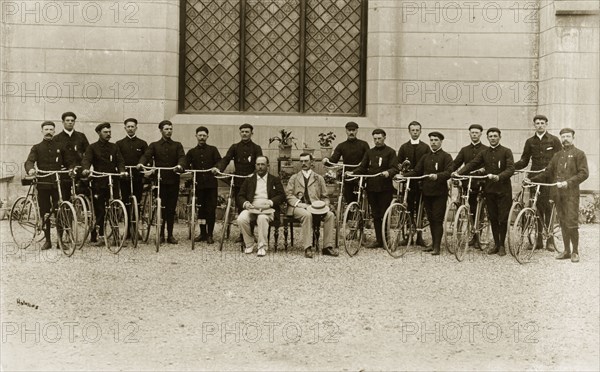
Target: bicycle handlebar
159 168
529 171
466 177
97 174
48 173
400 178
541 184
227 175
339 165
357 176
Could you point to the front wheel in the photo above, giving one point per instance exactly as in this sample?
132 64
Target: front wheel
134 220
396 224
484 229
556 231
115 226
24 221
82 218
353 228
158 221
515 209
461 232
449 226
524 233
226 219
192 222
66 226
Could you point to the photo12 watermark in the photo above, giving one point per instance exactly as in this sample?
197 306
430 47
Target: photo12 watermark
469 11
69 332
270 332
68 92
469 332
70 12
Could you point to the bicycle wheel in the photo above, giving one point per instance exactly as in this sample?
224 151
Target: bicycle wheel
395 226
226 218
146 214
24 221
66 227
81 214
486 239
192 221
158 222
115 226
461 232
134 219
515 209
353 228
556 231
449 226
524 233
339 210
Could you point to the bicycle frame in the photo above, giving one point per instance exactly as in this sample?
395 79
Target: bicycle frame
226 216
192 217
340 201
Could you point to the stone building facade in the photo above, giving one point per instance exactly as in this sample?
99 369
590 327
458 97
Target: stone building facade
446 64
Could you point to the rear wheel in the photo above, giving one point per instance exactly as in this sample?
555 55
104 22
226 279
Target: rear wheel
192 221
146 215
82 218
66 226
449 226
556 231
353 228
524 233
115 226
461 232
395 227
134 220
515 209
23 220
158 222
226 219
486 239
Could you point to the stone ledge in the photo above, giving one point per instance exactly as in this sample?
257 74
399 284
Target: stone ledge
576 7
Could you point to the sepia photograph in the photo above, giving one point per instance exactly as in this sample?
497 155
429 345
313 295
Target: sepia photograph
300 185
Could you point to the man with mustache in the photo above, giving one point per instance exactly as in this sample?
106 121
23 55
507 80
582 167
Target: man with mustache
569 168
104 157
48 155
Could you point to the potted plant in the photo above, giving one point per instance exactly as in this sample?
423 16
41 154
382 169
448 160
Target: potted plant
325 140
308 149
286 141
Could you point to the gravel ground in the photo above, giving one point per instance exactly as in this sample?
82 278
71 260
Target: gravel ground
189 310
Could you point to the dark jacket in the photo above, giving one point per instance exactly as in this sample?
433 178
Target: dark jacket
203 157
539 151
105 157
75 145
569 164
244 156
275 191
499 161
440 163
165 153
467 154
412 153
379 159
48 155
132 149
351 151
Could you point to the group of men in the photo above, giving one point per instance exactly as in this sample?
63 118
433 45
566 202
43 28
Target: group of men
260 194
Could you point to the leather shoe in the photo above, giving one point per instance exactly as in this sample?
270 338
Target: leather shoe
502 251
563 256
210 240
436 252
261 252
474 243
172 240
239 239
162 239
550 245
329 251
495 250
428 249
575 257
420 242
308 252
374 245
47 245
100 242
200 238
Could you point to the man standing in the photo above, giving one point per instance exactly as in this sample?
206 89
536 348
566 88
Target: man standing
380 190
465 156
166 153
499 166
304 188
132 148
352 151
203 157
569 168
540 149
74 142
409 155
259 197
104 157
243 154
438 165
48 155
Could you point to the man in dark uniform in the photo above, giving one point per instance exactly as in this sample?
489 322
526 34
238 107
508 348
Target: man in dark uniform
104 157
540 149
351 151
438 165
166 153
569 168
409 155
75 144
204 156
132 148
48 155
465 156
499 165
243 154
380 190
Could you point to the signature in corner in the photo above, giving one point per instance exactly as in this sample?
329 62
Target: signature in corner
24 303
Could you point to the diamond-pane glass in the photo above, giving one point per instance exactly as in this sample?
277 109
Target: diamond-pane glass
333 56
212 74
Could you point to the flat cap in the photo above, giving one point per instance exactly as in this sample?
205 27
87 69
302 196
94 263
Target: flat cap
476 126
540 117
68 113
101 126
351 125
437 134
493 129
567 130
133 120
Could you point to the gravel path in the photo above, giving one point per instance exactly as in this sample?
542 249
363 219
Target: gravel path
184 310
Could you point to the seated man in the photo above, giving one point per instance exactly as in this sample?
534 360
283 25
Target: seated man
259 197
304 188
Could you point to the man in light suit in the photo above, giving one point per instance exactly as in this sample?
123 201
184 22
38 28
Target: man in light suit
259 197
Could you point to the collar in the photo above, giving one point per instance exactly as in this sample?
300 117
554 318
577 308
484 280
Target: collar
69 133
201 146
307 173
47 140
131 137
264 178
167 140
414 142
494 147
542 136
475 144
436 151
102 142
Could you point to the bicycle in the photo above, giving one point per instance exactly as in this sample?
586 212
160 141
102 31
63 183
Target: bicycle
525 228
355 216
25 219
84 213
454 202
229 212
133 211
517 206
115 218
151 216
340 202
466 226
192 207
398 223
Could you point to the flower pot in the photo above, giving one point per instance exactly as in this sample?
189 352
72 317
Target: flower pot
326 152
285 151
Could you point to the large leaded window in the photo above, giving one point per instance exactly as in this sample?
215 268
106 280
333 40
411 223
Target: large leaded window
279 56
